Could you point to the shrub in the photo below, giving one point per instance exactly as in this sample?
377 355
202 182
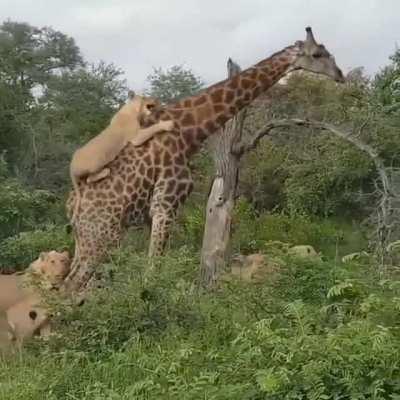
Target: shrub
160 337
17 252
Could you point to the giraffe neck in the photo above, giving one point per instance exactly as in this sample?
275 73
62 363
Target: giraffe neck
202 115
199 116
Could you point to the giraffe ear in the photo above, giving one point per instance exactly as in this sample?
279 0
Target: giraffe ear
233 68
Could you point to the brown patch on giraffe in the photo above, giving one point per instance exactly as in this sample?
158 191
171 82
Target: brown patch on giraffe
173 146
219 108
169 200
211 126
187 120
283 59
229 96
142 169
181 188
232 110
201 134
253 74
170 186
157 157
221 119
167 141
167 159
187 103
146 184
184 174
200 100
239 92
139 151
182 198
217 96
247 83
233 83
157 171
203 112
240 103
90 210
101 195
118 187
147 159
150 173
176 114
167 173
99 204
90 195
181 144
247 97
129 189
179 159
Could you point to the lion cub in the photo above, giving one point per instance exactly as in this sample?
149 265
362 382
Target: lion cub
103 148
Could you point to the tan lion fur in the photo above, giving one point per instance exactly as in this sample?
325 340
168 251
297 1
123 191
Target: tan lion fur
21 301
103 148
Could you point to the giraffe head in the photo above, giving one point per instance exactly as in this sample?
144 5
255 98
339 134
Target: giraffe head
316 58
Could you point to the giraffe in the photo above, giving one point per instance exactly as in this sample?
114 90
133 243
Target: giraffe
150 182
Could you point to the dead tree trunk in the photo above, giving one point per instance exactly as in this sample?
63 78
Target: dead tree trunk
221 200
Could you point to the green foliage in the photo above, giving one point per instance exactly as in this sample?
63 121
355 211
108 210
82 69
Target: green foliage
387 85
243 342
50 101
173 84
22 209
252 231
30 55
17 252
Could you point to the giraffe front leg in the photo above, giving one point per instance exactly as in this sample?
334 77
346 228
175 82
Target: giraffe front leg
160 230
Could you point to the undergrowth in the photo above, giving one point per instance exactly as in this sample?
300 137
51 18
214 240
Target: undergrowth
318 331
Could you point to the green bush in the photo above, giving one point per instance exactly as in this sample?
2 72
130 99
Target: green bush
22 209
17 252
251 231
162 338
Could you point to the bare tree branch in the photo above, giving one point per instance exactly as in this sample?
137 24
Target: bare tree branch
387 197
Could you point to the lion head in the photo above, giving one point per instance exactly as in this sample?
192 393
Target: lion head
52 266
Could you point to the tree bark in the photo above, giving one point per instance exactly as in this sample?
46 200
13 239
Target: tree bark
221 200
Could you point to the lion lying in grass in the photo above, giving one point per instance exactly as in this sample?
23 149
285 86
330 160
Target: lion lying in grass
22 313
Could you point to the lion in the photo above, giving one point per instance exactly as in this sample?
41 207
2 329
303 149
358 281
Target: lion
21 302
124 127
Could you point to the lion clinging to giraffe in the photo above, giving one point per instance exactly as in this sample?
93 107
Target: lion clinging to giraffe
89 160
155 179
